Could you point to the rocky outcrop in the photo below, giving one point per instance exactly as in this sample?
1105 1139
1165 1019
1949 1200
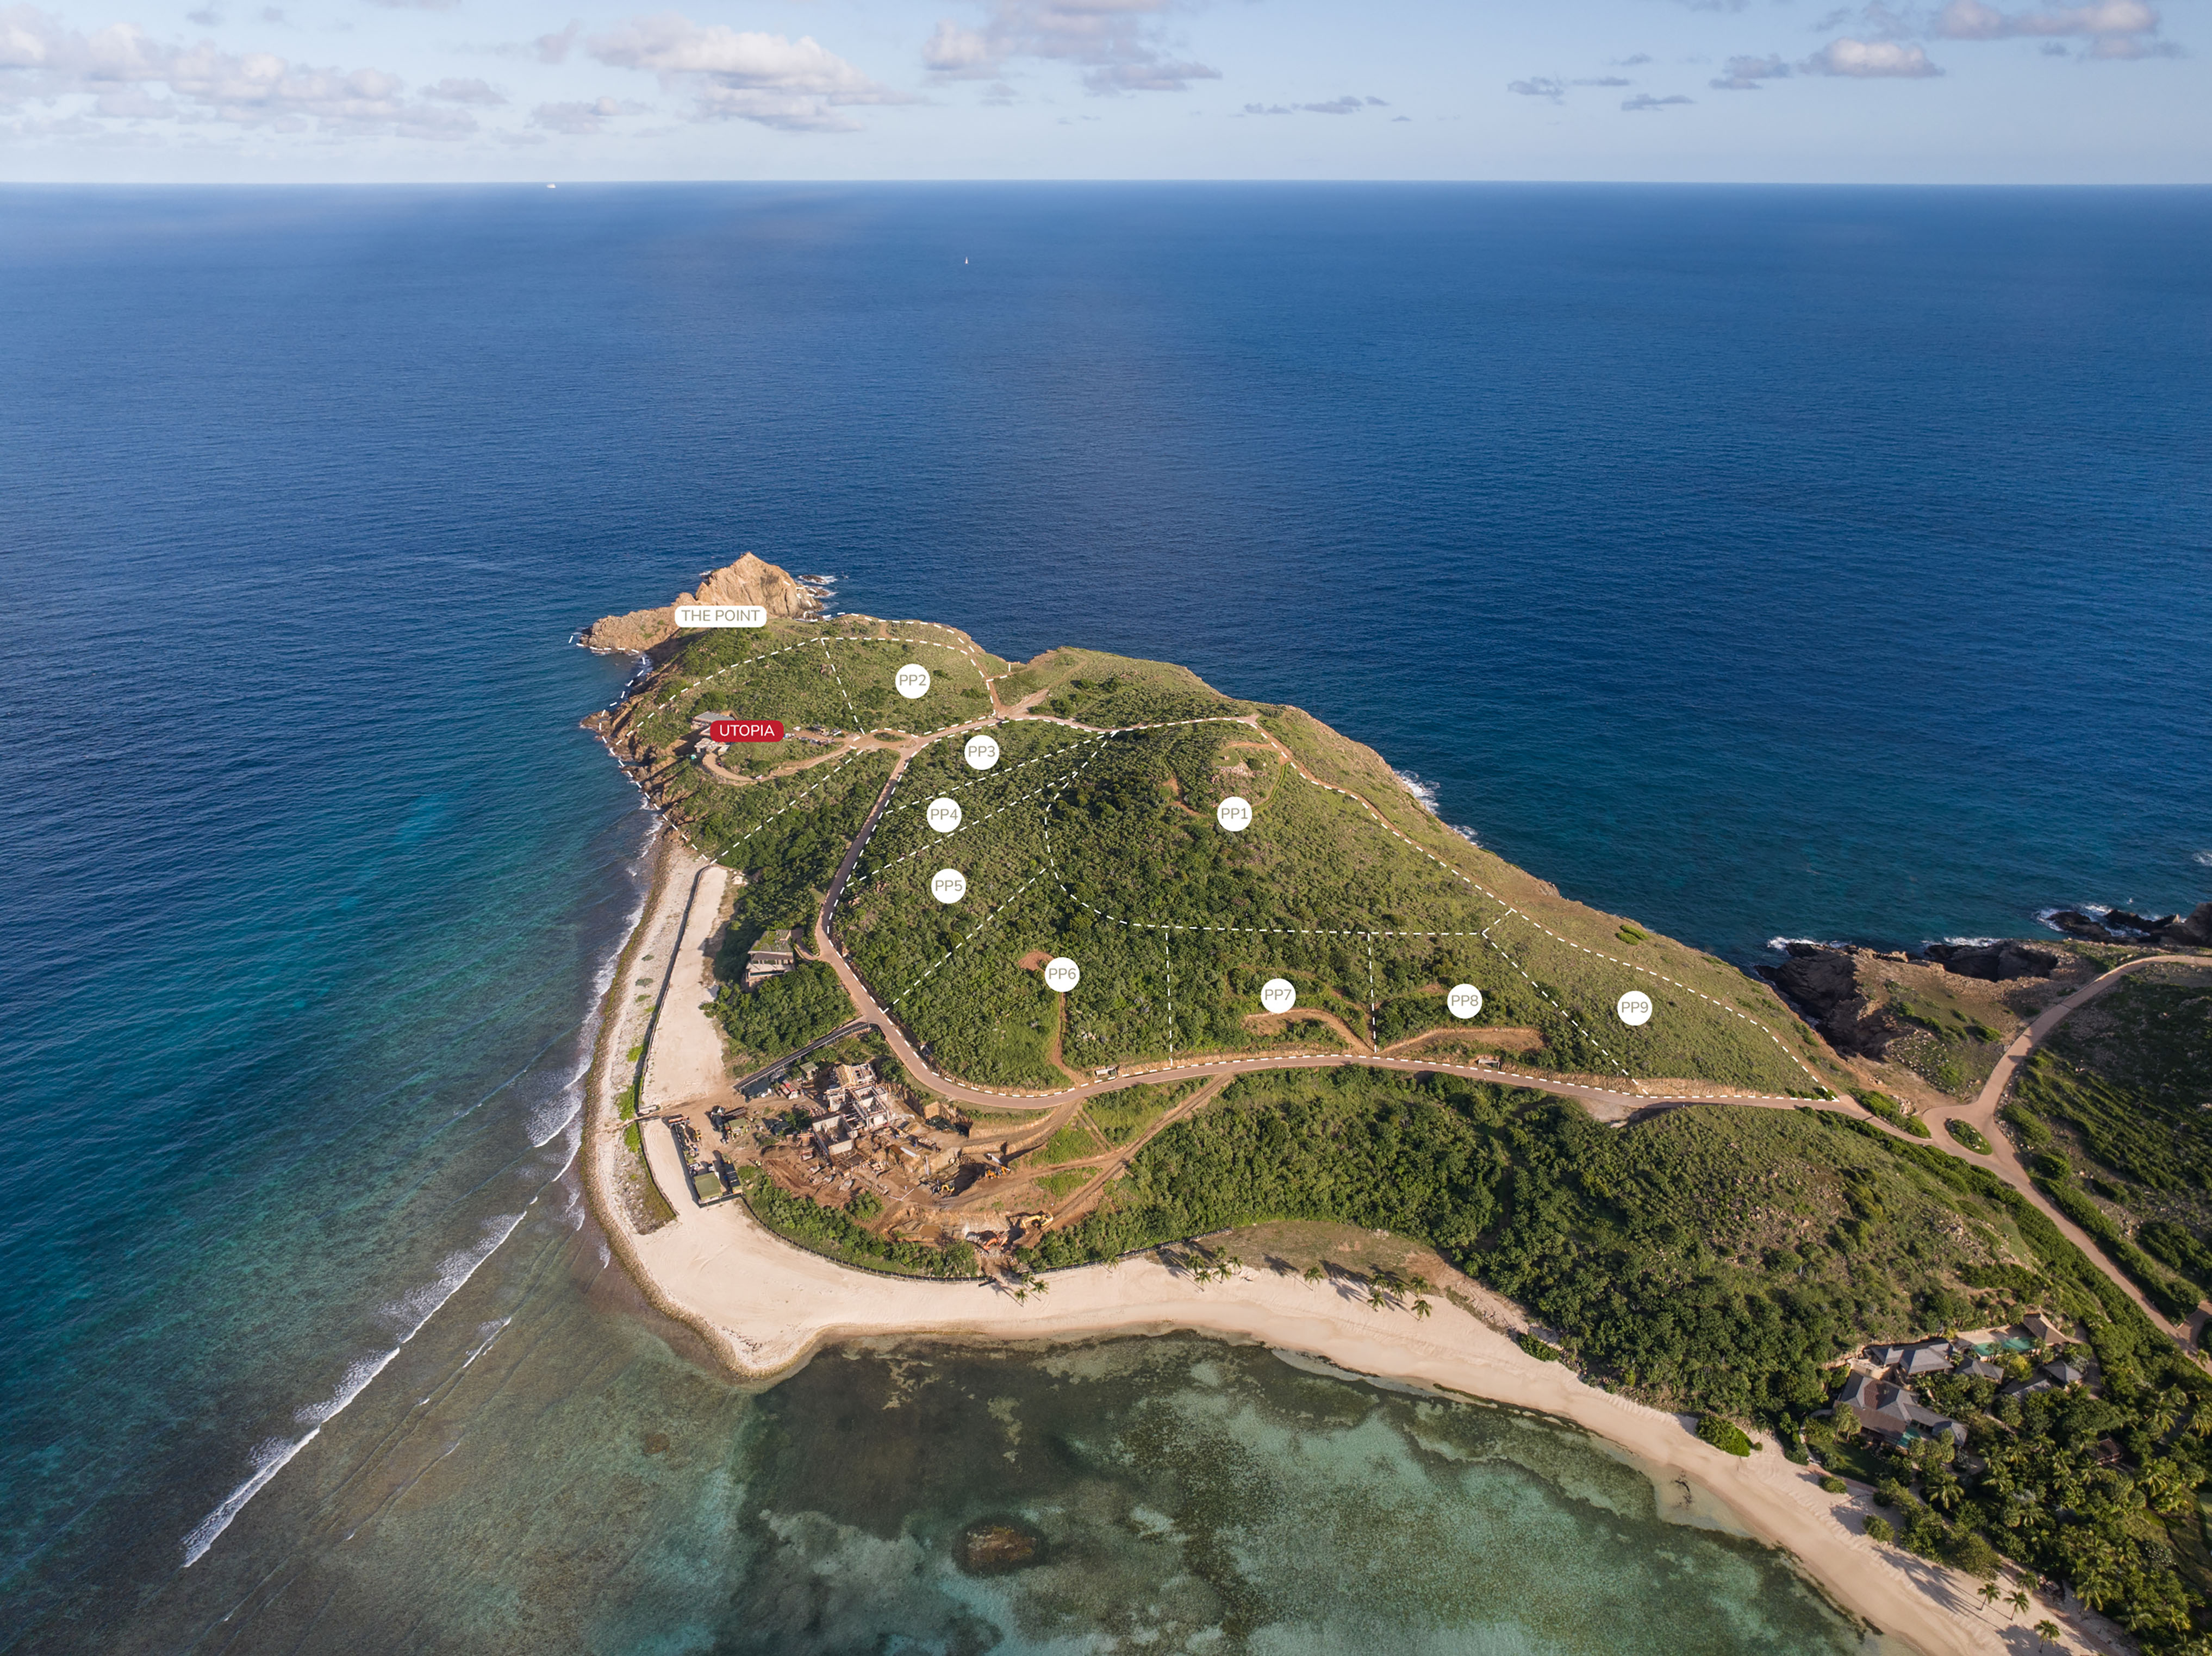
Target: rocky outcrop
1996 963
2191 931
1824 985
749 581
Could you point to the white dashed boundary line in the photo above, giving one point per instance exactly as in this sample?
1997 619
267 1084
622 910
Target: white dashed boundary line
966 648
1290 760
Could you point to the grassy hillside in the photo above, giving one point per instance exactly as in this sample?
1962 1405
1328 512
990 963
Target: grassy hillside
1106 849
2115 1115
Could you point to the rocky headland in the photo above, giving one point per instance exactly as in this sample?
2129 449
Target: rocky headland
749 581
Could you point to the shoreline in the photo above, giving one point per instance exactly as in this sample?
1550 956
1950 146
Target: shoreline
767 1307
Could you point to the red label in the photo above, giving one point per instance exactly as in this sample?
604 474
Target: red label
745 730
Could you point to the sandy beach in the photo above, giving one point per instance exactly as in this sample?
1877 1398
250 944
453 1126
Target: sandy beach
765 1307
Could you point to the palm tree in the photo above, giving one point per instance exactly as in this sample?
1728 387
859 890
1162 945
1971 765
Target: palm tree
2019 1601
1991 1592
1421 1307
2046 1633
1314 1273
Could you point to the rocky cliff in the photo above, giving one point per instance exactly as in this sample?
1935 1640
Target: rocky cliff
2191 931
749 581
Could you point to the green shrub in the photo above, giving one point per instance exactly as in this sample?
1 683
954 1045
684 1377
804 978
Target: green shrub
865 1205
1833 1484
1724 1434
1967 1134
631 1141
2032 1131
1972 1553
787 1012
1882 1105
1536 1348
626 1103
1878 1529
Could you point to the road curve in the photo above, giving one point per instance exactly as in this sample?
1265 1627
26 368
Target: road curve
2004 1161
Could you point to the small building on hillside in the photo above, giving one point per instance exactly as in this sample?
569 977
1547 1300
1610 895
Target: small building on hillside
772 956
2066 1374
1979 1368
2045 1331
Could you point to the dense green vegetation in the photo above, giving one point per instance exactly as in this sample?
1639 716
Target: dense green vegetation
830 1231
2124 1087
2099 1492
836 675
784 1013
1705 1257
1882 1105
1106 850
1724 1434
1718 1260
1070 1143
1124 1115
2127 1081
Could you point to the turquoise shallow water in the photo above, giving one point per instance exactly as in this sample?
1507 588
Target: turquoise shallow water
1756 562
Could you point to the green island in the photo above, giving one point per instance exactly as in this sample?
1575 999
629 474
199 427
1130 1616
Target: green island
1736 1209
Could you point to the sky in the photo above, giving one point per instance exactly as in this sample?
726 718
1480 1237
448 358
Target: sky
1947 92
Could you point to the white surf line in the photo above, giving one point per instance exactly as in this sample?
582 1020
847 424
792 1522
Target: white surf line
271 1456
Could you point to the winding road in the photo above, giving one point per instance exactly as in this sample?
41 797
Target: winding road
1607 1103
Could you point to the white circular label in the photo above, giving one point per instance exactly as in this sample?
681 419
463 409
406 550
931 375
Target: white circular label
1234 814
913 680
945 815
1634 1007
1464 1001
983 752
1277 995
1062 975
950 885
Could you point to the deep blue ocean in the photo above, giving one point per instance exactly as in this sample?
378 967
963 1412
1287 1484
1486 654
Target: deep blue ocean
1756 562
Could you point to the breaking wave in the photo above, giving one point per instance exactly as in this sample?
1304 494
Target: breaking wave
409 1313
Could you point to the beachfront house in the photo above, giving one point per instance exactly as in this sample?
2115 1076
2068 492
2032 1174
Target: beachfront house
1928 1357
1893 1414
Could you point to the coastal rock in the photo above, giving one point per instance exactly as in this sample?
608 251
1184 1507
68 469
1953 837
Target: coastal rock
2194 931
1997 963
749 581
2074 924
1824 985
998 1546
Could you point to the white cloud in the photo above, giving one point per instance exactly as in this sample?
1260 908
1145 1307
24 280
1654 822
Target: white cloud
554 48
1744 74
959 54
1118 42
1644 100
1539 86
581 118
795 85
1971 20
452 91
1870 60
42 56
